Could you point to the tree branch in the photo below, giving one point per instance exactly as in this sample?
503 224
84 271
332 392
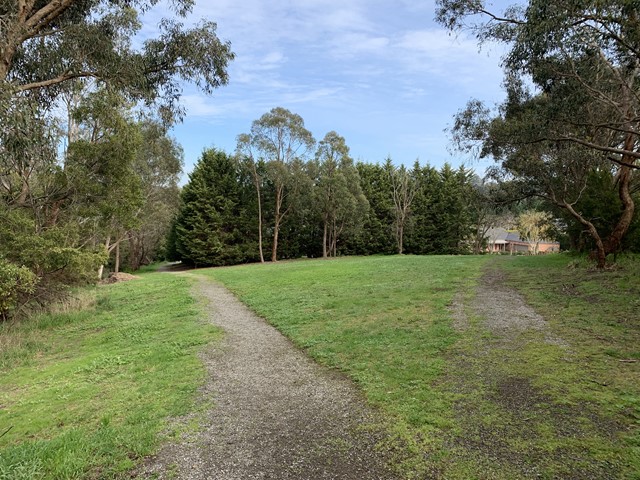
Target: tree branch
513 21
602 148
46 15
54 81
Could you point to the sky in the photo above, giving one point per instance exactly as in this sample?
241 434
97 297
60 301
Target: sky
383 74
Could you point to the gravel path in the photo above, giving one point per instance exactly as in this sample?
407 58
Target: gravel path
276 414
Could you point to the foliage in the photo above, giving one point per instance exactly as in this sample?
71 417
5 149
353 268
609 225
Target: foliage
328 206
582 60
376 234
338 193
281 140
442 220
53 255
158 165
15 284
89 392
404 191
534 226
209 229
46 45
70 203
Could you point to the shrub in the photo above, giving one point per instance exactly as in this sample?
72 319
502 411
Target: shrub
16 284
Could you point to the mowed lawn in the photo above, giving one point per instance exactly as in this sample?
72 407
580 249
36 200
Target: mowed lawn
465 403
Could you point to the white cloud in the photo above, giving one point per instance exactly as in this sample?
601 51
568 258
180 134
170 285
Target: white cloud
311 95
354 44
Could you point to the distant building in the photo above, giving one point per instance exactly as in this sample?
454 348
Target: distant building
500 240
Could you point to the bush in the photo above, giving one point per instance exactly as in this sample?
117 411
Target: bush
16 284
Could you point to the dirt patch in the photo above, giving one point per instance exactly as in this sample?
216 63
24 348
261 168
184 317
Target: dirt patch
276 413
505 312
459 316
507 422
118 277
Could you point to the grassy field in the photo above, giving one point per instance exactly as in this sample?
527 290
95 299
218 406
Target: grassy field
467 403
385 321
85 394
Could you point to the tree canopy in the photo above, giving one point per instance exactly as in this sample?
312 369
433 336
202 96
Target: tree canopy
46 44
74 190
572 107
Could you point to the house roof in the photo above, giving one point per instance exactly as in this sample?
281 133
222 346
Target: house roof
501 235
497 235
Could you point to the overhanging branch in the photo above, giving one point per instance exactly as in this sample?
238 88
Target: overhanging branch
56 80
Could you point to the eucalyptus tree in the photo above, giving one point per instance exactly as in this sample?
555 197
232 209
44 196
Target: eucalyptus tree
104 190
404 187
47 43
54 206
158 165
245 153
338 193
583 60
280 138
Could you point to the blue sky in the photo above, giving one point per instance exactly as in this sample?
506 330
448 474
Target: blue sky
381 73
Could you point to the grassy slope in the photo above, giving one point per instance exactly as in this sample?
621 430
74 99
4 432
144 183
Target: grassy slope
87 393
465 404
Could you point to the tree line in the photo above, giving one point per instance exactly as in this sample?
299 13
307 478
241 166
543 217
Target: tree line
97 185
281 193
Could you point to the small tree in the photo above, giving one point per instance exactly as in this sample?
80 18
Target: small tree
534 226
404 191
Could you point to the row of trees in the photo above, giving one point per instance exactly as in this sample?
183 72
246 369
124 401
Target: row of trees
278 193
281 192
94 182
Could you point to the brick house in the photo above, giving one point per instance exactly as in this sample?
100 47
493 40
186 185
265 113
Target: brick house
500 240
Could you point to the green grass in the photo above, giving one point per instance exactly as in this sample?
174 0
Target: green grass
598 377
469 404
531 407
87 393
383 320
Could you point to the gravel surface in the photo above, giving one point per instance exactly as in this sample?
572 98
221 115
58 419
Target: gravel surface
505 311
276 414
